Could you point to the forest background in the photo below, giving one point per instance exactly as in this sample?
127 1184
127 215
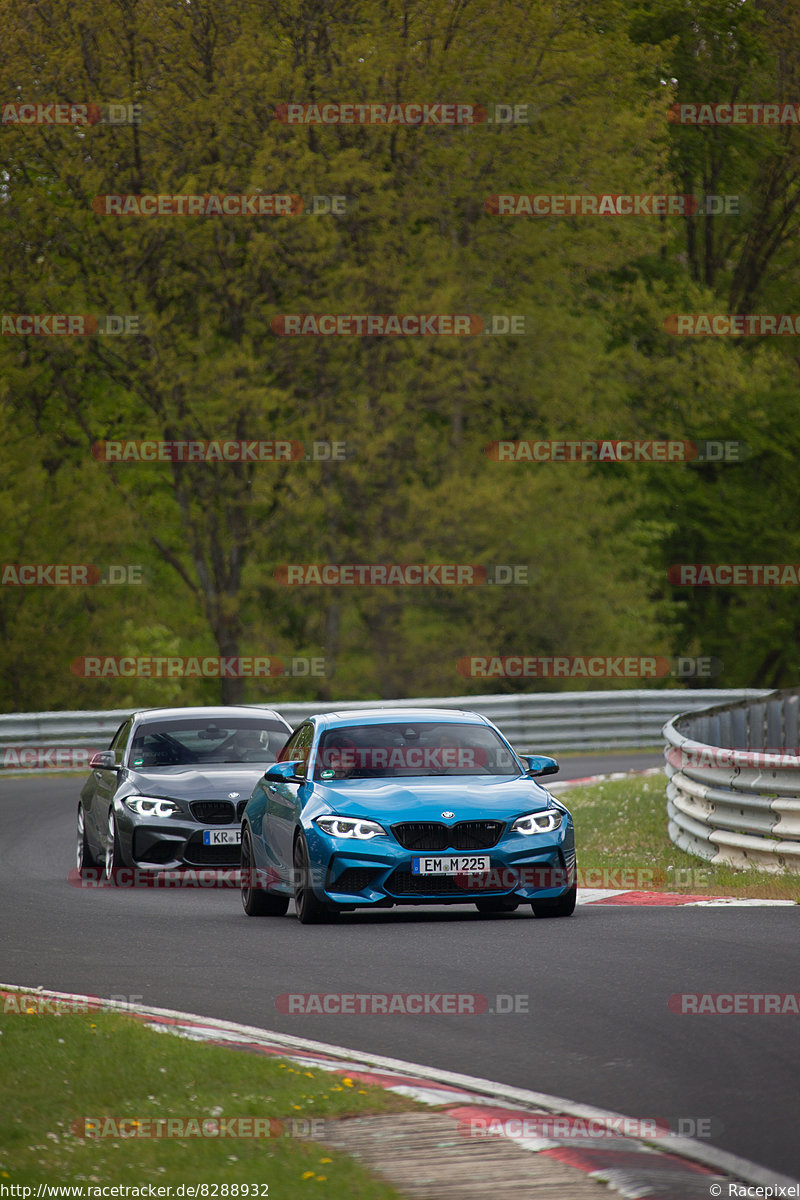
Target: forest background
596 360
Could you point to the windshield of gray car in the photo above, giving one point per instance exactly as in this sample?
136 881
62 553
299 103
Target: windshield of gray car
393 751
197 741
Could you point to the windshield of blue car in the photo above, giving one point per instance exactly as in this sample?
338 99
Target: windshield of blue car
389 751
193 741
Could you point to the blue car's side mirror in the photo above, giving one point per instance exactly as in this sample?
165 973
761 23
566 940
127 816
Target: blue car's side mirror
285 772
540 764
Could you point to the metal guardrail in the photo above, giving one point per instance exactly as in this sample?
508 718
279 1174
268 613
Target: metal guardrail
533 722
733 782
537 722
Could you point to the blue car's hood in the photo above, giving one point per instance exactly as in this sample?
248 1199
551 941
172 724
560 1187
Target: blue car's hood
469 797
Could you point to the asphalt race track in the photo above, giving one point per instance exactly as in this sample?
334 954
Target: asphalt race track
598 1028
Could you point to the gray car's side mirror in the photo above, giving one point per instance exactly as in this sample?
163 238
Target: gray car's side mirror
540 764
104 760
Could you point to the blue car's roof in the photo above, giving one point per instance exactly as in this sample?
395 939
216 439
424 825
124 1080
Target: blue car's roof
395 716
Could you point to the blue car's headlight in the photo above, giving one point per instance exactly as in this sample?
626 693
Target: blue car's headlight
350 827
545 821
151 806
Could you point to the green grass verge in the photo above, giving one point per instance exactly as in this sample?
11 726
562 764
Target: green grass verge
622 842
57 1071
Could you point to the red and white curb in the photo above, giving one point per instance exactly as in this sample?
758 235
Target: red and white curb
668 1167
667 899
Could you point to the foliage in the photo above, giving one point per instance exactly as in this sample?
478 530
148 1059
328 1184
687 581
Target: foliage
415 413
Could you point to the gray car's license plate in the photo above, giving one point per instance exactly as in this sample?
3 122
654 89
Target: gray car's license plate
222 837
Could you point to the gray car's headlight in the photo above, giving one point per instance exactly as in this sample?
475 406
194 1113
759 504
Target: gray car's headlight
350 827
546 821
151 806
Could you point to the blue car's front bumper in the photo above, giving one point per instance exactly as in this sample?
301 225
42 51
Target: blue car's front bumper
379 871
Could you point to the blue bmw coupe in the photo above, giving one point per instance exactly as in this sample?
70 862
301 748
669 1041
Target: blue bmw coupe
379 807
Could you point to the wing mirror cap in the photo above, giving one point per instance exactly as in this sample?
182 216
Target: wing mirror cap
285 772
104 760
540 764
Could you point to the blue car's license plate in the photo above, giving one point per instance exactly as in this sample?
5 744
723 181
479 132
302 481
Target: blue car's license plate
450 864
222 837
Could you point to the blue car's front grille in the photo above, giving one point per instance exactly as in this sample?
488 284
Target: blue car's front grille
403 883
432 835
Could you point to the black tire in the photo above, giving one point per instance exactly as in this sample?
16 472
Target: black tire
496 904
256 901
310 910
113 863
564 906
87 864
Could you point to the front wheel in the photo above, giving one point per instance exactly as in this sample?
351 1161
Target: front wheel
310 910
113 860
256 901
564 906
87 864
